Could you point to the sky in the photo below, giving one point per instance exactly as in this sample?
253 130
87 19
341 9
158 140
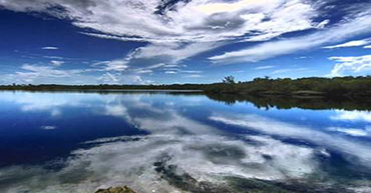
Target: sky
181 41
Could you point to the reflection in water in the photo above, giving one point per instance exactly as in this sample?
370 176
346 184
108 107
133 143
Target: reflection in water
305 102
188 143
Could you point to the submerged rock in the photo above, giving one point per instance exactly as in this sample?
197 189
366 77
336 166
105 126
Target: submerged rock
123 189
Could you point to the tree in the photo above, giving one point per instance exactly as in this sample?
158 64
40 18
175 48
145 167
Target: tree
229 80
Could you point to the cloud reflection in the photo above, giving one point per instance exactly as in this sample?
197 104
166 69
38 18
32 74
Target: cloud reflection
352 115
181 148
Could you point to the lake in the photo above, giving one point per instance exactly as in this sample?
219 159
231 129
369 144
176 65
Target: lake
179 142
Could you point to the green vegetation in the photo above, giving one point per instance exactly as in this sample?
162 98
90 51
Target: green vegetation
331 87
325 87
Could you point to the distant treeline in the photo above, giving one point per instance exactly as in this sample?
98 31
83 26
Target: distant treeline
101 87
331 87
328 87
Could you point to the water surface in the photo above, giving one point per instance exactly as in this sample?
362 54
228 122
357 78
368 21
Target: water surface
80 142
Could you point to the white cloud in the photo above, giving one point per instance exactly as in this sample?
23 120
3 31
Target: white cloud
352 116
48 127
144 71
350 131
49 48
356 65
216 20
286 70
171 72
158 56
172 53
56 63
175 140
367 47
191 71
114 65
109 78
193 76
264 67
323 24
33 102
359 24
263 124
119 78
354 43
36 71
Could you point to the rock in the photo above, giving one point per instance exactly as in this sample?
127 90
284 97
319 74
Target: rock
123 189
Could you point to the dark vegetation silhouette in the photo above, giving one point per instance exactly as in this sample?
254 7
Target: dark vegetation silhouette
289 102
354 87
334 87
349 93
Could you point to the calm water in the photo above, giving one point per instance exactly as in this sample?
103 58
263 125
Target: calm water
79 142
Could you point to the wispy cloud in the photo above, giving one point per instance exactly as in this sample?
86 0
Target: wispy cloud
114 65
171 72
49 48
355 43
351 131
119 78
359 24
287 70
176 31
263 124
216 20
193 76
48 127
56 63
264 67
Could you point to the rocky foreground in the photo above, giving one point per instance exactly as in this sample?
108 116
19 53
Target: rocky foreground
123 189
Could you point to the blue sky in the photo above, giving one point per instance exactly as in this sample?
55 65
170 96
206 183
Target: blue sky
181 41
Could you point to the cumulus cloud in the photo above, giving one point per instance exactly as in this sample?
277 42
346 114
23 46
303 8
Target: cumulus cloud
351 65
